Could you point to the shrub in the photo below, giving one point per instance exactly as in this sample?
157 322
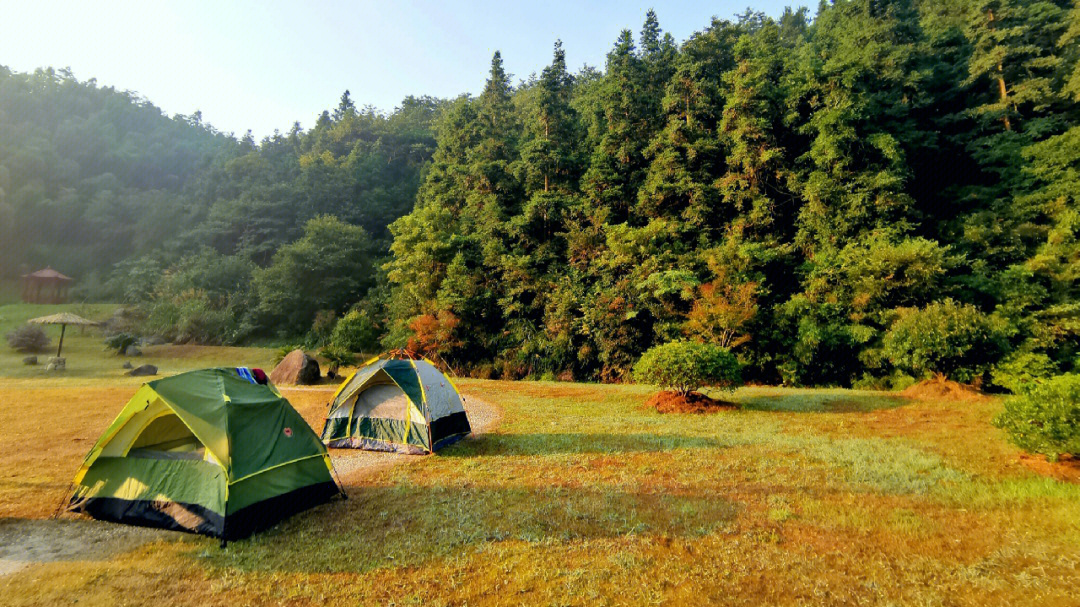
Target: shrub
1046 418
120 342
357 331
28 338
1022 370
193 317
955 340
895 382
283 351
337 357
685 366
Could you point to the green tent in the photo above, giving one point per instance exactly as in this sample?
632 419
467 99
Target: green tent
208 452
393 404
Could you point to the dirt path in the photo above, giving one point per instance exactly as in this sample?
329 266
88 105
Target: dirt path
27 541
352 465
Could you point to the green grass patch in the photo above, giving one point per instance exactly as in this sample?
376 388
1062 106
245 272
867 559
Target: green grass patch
88 361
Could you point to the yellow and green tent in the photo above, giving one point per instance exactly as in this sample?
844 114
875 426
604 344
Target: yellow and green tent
394 404
208 452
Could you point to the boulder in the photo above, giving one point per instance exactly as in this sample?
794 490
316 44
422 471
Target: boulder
153 340
132 351
296 368
56 364
29 360
127 365
143 370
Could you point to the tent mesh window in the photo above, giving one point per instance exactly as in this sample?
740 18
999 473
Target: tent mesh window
167 438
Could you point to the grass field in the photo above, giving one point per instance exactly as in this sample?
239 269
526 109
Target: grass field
89 362
583 497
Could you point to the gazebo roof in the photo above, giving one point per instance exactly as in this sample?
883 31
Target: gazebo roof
47 274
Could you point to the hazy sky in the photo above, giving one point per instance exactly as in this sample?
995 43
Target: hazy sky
264 65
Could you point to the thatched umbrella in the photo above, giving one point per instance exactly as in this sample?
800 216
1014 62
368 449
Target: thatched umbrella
63 319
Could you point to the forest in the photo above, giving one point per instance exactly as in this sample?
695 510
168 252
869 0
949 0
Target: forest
862 196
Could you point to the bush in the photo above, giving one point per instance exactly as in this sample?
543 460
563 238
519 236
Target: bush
895 382
947 338
193 317
685 366
1046 418
357 331
120 342
1022 370
336 358
28 338
283 351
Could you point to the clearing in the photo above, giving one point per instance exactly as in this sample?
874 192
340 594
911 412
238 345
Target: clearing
578 495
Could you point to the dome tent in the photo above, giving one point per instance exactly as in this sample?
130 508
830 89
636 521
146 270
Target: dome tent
210 452
396 404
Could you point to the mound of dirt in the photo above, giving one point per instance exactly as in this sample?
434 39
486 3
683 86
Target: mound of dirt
940 388
673 402
1066 469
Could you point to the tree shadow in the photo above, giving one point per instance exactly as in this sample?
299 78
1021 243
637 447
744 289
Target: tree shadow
572 443
840 401
400 525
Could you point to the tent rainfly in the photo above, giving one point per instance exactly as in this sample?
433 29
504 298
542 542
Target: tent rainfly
212 452
400 405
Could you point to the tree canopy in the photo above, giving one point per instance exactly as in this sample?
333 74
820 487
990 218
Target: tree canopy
810 193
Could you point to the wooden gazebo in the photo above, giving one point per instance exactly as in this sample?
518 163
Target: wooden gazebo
45 287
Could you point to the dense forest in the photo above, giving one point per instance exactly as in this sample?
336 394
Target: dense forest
886 190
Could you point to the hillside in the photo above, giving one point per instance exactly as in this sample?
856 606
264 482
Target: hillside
817 195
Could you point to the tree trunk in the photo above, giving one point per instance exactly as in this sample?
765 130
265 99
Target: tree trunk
1002 89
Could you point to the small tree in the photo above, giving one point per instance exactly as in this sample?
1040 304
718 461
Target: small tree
947 338
434 333
721 313
28 338
1046 418
685 366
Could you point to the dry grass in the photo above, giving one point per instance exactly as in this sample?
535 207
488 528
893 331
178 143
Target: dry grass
584 497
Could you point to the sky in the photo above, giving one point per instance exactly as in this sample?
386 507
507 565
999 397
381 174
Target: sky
264 65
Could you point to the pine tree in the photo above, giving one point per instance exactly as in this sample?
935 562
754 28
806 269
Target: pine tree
549 155
617 164
345 108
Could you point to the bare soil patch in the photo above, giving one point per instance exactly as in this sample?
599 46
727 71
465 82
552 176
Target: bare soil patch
940 388
23 542
695 402
1067 468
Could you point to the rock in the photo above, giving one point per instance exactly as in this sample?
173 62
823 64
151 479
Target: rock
29 360
296 368
132 351
127 365
56 364
153 340
143 370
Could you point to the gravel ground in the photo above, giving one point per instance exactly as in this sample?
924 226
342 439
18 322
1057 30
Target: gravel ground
353 464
